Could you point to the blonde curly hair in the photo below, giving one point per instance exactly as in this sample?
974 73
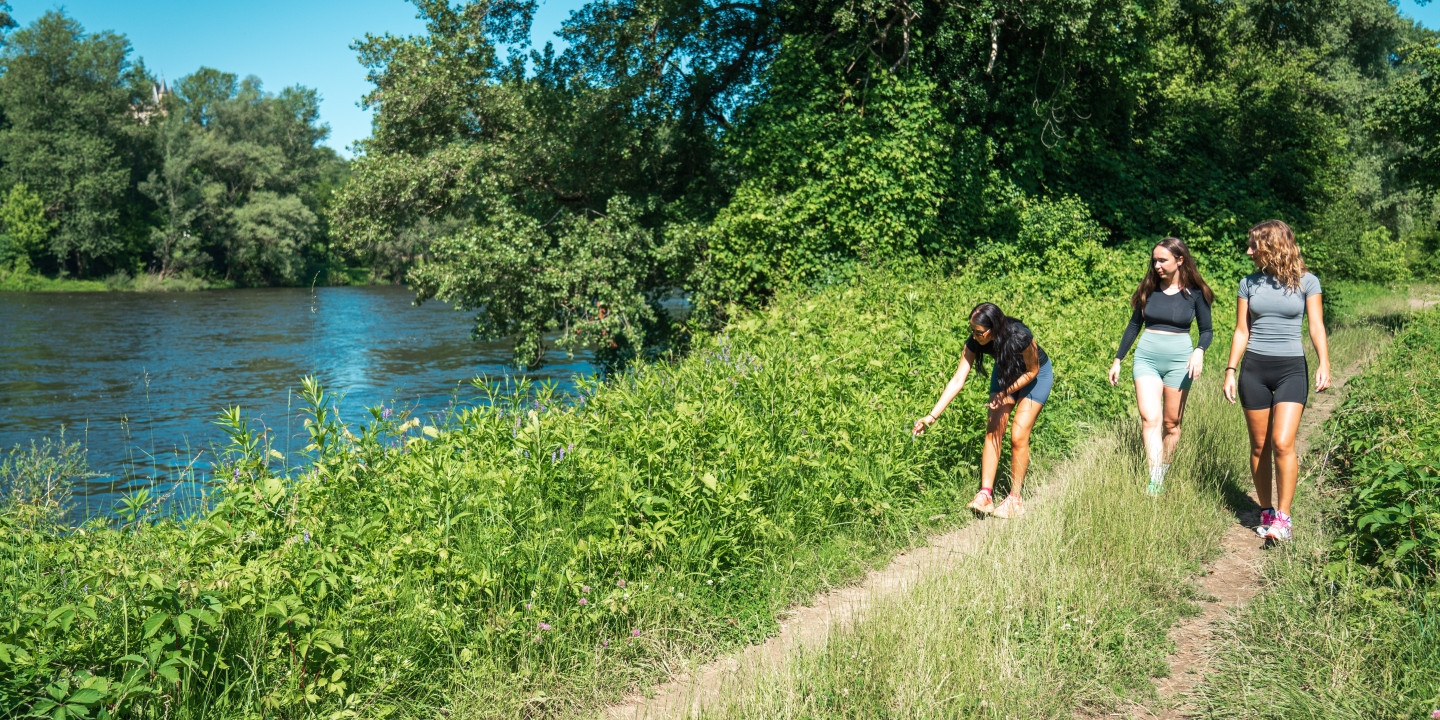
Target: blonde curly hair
1276 252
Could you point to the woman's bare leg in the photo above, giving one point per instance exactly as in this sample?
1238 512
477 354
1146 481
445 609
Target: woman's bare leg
1150 397
1284 426
994 435
1258 422
1025 417
1174 413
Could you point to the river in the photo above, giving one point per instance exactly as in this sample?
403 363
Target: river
139 378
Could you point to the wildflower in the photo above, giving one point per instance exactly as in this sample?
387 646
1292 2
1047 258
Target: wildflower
584 602
627 596
621 583
585 588
527 606
635 632
604 643
307 536
544 626
709 582
679 596
1435 714
384 413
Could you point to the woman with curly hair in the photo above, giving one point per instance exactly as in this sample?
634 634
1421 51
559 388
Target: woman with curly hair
1020 380
1272 382
1168 300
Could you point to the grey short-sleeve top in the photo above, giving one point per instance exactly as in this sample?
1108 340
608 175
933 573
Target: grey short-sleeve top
1276 313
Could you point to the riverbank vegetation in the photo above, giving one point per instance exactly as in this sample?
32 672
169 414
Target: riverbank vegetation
111 178
534 553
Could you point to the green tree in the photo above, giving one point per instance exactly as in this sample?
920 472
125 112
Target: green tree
70 135
23 228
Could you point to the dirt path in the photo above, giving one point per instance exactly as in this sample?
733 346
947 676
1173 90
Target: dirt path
809 627
1234 578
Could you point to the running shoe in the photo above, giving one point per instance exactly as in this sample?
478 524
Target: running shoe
1155 487
1012 507
1267 518
1279 529
982 503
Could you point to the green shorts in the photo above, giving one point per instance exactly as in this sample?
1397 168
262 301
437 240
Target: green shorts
1164 356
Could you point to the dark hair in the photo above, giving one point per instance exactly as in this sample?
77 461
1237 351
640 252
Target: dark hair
1190 280
1010 342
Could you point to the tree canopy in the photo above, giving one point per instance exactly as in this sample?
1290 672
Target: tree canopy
211 177
729 148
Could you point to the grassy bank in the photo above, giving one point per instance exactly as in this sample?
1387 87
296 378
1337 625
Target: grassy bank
1350 627
1066 611
528 556
149 282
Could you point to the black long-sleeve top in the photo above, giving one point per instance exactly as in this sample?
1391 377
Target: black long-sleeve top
1172 313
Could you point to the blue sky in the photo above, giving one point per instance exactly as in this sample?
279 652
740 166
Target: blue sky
283 42
300 42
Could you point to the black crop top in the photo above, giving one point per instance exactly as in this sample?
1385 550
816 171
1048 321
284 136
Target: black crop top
989 348
1171 313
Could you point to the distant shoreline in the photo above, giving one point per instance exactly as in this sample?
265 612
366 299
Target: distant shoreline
149 282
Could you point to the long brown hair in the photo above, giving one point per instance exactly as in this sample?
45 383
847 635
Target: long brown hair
1190 280
1276 252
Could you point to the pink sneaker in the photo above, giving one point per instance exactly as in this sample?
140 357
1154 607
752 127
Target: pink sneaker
1267 518
1280 528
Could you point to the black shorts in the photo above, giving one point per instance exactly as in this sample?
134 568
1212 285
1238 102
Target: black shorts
1267 379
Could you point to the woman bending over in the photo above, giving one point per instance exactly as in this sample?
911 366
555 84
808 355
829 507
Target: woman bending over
1169 299
1272 382
1021 378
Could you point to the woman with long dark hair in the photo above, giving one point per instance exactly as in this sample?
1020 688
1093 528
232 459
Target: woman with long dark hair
1020 380
1273 382
1170 298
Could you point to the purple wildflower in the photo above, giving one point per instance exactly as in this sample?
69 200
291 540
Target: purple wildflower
585 588
635 632
544 626
604 643
527 606
584 602
384 413
621 583
307 536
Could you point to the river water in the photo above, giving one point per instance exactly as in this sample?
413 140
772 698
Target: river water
139 378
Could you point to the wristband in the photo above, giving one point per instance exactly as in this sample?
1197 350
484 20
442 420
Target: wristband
1228 369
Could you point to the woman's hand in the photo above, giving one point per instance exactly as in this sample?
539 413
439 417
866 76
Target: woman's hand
1196 364
1322 377
1231 385
1115 372
997 400
922 425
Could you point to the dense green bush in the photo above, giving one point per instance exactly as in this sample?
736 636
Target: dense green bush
530 540
1389 445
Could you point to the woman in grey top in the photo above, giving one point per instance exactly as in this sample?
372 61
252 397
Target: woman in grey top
1273 381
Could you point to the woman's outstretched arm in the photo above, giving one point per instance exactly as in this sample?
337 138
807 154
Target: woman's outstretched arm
952 389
